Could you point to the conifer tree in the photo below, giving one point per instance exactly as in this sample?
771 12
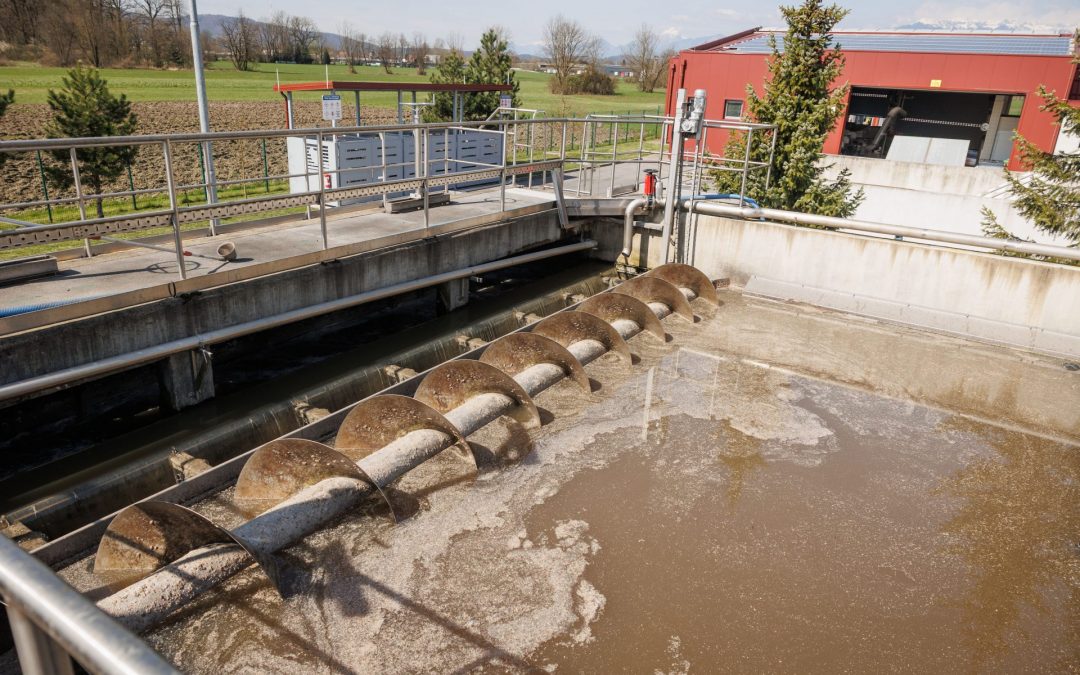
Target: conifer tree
5 100
451 70
799 98
490 64
1050 196
86 108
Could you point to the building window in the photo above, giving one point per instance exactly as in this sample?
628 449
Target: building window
1014 105
733 109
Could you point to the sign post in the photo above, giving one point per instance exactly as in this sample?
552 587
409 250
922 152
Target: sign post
331 108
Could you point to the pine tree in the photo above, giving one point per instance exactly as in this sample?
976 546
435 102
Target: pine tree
490 64
1050 196
800 100
5 100
451 70
86 108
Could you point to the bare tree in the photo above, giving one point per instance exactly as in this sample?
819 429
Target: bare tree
420 51
304 34
238 36
646 59
455 43
385 50
274 39
149 14
352 44
402 49
567 43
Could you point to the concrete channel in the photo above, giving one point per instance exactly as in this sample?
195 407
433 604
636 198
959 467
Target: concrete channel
814 450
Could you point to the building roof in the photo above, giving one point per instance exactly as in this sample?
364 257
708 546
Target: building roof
756 41
335 85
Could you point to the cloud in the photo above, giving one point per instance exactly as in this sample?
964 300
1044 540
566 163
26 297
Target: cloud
671 32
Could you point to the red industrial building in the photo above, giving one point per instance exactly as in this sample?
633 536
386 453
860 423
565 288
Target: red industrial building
952 88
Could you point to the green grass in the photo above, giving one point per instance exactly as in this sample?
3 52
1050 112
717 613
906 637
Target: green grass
32 83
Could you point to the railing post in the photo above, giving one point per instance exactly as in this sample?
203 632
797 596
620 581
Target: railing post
614 157
170 182
79 197
745 167
38 653
322 186
423 135
44 186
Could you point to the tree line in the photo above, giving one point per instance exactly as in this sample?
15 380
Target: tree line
98 32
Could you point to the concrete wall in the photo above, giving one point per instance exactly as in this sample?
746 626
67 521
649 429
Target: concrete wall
57 347
936 197
1006 300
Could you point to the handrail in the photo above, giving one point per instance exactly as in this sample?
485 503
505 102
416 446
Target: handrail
51 623
151 139
942 236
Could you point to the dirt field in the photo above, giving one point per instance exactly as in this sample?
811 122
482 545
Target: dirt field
20 180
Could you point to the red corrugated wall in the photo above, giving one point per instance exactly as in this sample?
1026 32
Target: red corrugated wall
725 75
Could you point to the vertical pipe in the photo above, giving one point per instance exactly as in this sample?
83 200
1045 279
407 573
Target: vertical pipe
204 110
79 196
170 182
671 199
291 109
44 186
356 97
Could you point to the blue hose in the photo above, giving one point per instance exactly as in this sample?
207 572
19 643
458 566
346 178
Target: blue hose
12 311
706 197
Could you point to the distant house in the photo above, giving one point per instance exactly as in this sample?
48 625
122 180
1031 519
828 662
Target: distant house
618 71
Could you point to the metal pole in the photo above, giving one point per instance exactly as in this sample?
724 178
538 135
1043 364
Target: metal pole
44 186
171 184
322 191
745 167
44 608
204 110
131 184
772 151
266 168
674 188
38 655
79 197
614 157
422 134
357 98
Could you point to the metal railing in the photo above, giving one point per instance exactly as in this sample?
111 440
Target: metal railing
176 209
52 624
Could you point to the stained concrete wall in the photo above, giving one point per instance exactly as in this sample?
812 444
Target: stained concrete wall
87 340
1007 300
935 197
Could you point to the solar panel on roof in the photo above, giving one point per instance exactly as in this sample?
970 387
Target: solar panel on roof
952 44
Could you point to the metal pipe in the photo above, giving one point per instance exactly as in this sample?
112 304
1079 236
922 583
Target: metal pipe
795 218
141 356
95 640
152 599
628 225
204 110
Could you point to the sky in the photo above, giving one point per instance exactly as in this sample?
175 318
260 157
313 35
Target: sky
617 20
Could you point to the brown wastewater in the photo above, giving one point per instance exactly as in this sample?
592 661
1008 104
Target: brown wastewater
704 509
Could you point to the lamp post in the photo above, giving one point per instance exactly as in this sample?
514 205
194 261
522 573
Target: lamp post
204 111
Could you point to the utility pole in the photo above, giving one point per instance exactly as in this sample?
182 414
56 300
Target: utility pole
204 110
